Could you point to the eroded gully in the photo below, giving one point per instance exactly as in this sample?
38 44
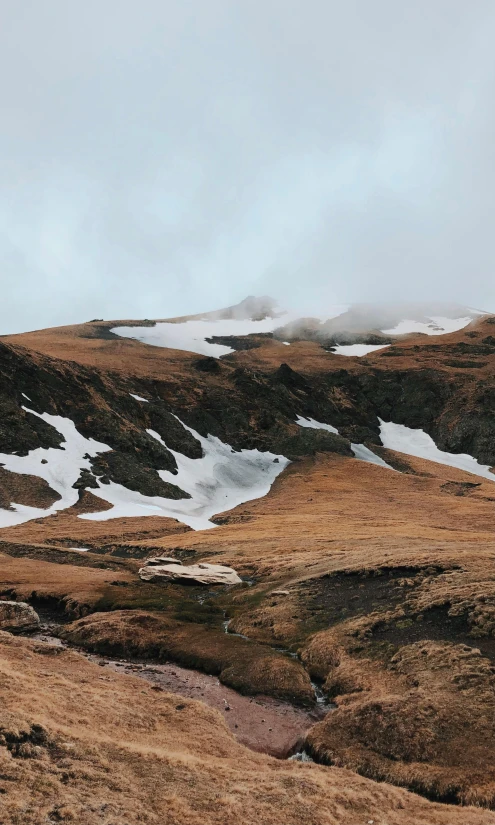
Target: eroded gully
262 723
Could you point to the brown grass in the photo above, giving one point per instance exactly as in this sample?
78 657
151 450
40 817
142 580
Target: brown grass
80 746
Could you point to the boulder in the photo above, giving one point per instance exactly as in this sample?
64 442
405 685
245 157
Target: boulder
161 560
18 617
193 574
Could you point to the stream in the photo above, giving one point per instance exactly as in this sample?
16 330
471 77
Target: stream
262 723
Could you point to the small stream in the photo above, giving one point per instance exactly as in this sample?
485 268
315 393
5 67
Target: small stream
262 723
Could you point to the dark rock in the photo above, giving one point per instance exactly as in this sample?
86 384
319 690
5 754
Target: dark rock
128 471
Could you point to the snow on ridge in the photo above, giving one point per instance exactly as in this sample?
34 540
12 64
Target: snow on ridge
361 452
193 335
417 443
437 325
357 350
138 397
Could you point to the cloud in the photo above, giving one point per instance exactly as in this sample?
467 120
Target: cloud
163 158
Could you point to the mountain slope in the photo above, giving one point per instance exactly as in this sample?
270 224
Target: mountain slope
372 566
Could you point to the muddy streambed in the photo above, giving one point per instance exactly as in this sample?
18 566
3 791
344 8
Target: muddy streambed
261 723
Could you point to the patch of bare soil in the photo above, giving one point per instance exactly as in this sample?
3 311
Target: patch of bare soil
262 723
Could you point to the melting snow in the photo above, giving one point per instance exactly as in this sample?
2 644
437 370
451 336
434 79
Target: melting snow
138 397
361 452
60 467
358 349
315 425
192 336
220 480
420 444
438 325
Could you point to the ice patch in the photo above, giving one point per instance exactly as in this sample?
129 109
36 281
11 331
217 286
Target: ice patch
220 480
138 397
361 452
358 350
418 443
438 325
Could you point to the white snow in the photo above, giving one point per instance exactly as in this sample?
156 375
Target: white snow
438 325
287 343
138 397
80 549
25 396
358 349
361 452
420 444
220 480
191 335
61 468
315 425
364 454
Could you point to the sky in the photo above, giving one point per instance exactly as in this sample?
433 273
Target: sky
173 156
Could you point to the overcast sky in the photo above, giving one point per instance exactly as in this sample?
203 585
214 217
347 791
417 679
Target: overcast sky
169 156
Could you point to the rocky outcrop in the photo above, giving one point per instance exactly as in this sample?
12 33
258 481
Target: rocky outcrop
18 617
192 574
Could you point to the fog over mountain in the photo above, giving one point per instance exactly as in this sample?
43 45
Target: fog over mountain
159 159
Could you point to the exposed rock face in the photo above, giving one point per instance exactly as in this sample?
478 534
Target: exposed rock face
18 617
192 574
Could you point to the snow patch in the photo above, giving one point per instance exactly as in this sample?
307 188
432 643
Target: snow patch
138 397
361 452
418 443
315 425
60 467
192 336
358 350
438 325
220 480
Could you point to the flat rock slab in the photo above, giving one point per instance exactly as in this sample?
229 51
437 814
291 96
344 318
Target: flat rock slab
161 560
18 617
193 574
